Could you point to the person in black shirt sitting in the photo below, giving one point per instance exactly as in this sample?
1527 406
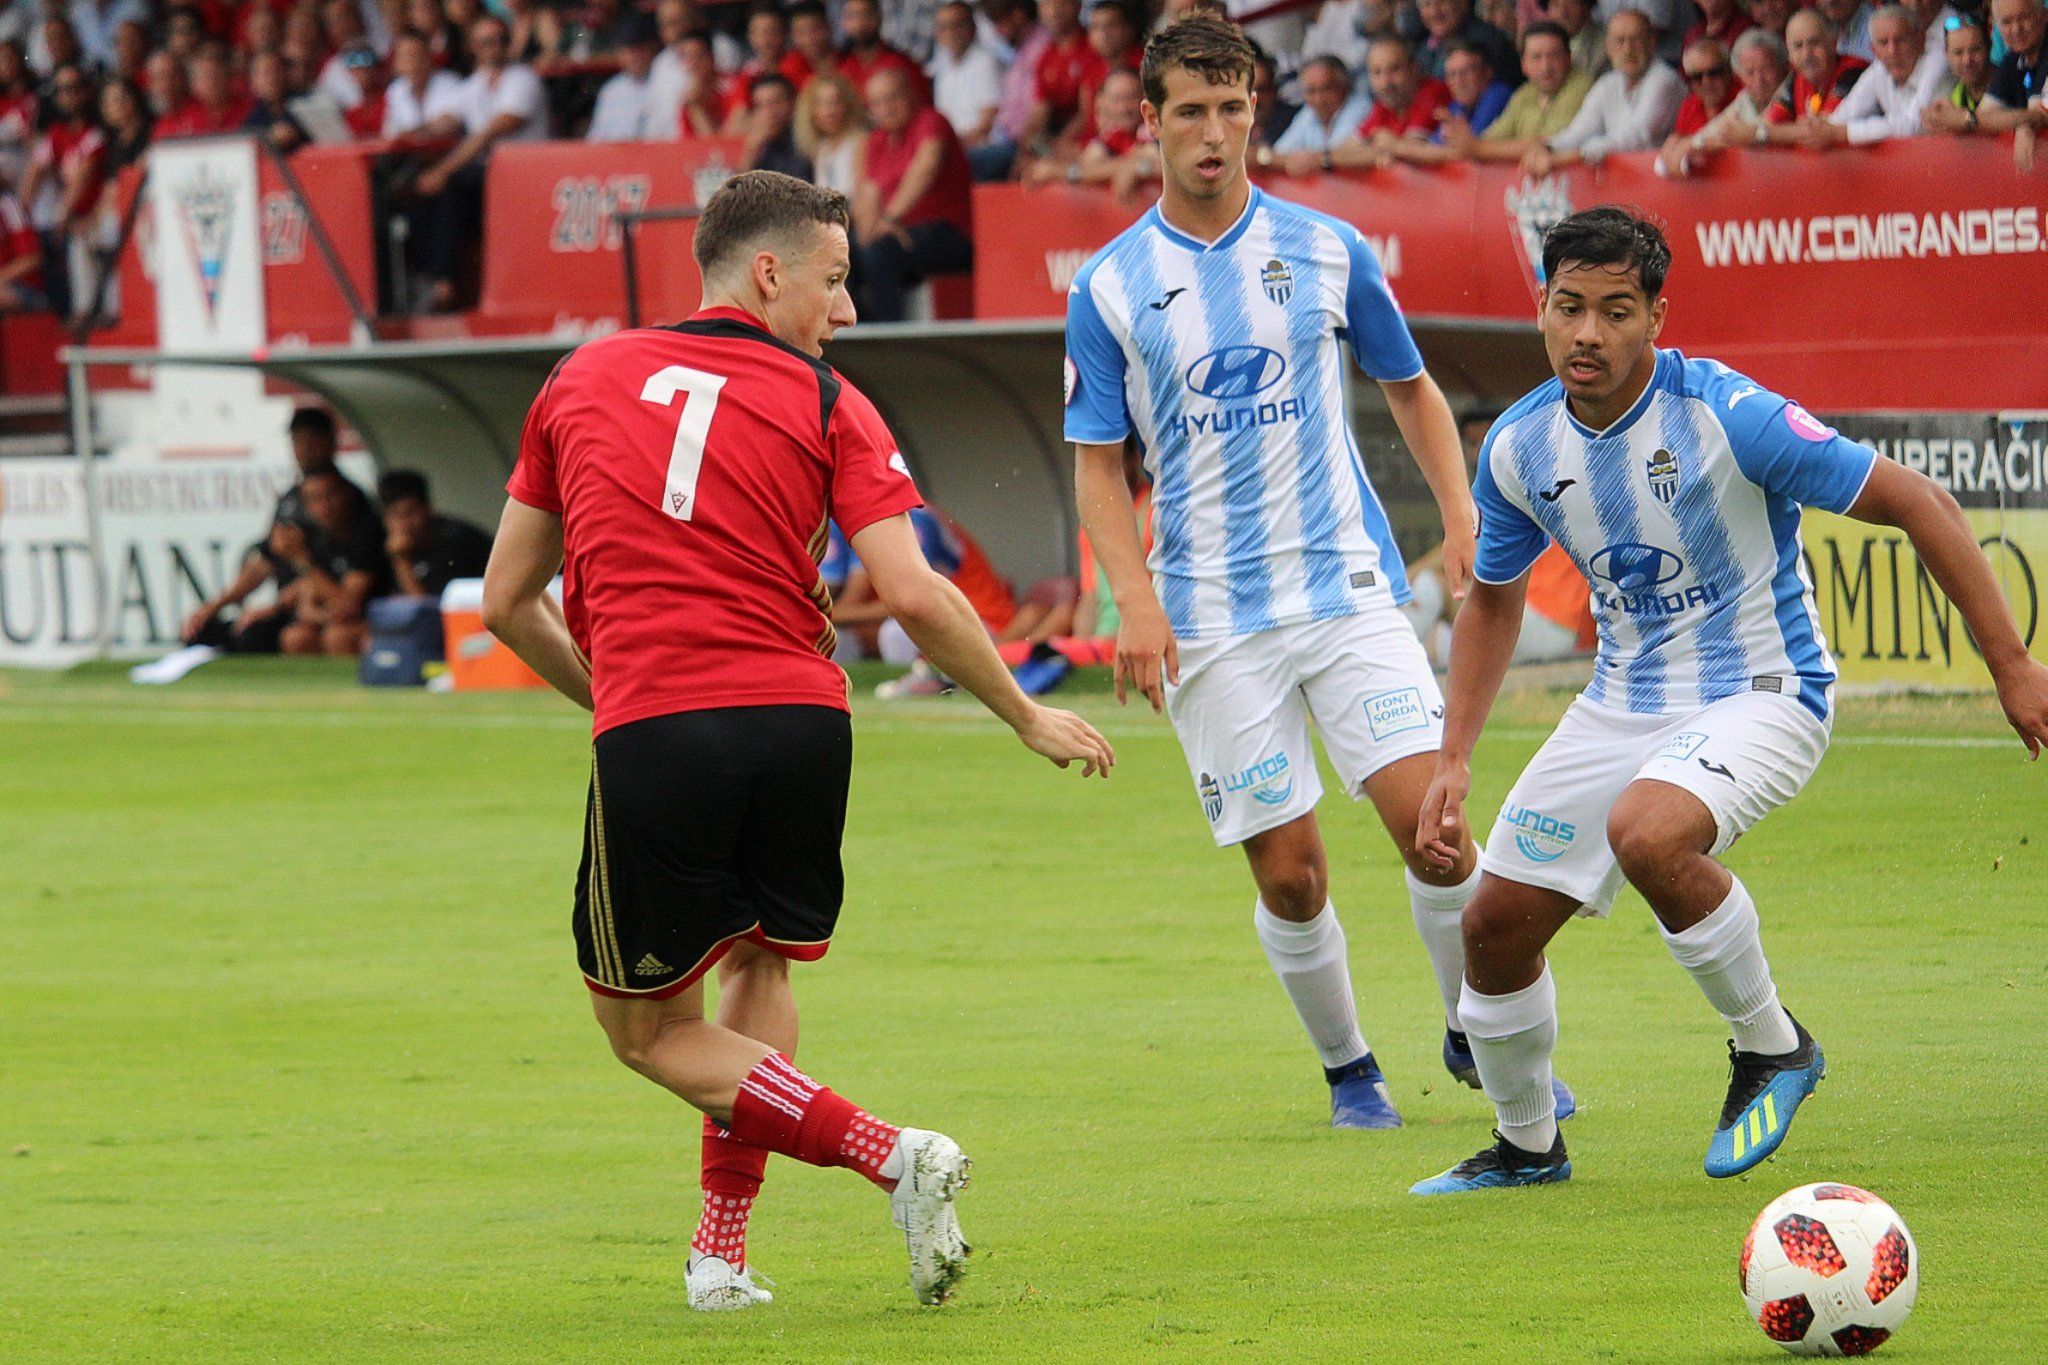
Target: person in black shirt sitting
426 550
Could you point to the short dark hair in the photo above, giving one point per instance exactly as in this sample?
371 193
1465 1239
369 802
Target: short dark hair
1610 236
774 80
1207 44
757 206
813 8
396 485
319 421
1457 45
1549 29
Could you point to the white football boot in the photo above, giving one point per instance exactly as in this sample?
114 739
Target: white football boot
715 1287
934 1170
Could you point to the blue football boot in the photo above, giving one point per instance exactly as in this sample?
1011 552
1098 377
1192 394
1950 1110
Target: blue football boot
1358 1096
1764 1092
1458 1061
1499 1167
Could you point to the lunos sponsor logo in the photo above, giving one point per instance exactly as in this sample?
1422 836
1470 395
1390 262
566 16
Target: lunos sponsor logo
1632 574
1229 375
1268 780
1538 837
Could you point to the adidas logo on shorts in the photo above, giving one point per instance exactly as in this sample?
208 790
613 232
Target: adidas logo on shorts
651 965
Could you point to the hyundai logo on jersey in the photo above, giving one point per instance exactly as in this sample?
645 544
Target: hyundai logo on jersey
1236 372
1637 571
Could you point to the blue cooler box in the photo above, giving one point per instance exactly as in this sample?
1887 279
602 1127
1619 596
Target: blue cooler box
405 636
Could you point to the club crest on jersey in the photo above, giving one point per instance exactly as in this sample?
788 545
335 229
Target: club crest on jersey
1277 280
1663 471
1212 798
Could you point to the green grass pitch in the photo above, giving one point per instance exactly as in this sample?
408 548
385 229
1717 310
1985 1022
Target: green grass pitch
295 1063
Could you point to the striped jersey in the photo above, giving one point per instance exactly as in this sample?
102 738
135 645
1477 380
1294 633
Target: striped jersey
1684 517
1225 359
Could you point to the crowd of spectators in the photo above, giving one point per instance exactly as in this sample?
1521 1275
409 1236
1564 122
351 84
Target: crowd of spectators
901 103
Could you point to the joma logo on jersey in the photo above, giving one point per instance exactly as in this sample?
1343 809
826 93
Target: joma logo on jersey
1236 372
1268 780
1538 837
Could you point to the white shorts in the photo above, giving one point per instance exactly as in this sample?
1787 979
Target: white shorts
1244 703
1742 756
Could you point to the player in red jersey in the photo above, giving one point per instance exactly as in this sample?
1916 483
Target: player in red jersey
681 478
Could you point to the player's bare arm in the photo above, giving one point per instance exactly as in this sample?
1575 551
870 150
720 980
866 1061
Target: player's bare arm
1146 656
1482 645
1431 432
517 607
1932 520
942 623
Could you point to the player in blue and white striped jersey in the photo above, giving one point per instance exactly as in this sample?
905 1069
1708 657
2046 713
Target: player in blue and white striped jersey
1216 330
1676 486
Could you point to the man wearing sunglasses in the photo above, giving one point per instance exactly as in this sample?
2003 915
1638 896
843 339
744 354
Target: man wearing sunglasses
1710 81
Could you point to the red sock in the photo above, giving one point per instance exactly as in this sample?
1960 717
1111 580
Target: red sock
783 1110
732 1181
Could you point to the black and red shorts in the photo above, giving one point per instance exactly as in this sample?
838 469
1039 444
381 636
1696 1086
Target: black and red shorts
704 828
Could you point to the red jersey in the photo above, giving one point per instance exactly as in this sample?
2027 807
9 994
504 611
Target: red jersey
1803 99
950 198
857 69
193 119
1694 115
18 241
694 468
1419 117
74 149
1065 69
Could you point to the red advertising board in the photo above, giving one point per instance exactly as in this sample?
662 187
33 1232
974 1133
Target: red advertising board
303 303
1909 275
552 260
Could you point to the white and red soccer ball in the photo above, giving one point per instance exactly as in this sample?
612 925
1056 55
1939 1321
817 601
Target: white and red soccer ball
1829 1270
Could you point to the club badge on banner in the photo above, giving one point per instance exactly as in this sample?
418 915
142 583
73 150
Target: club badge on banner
209 276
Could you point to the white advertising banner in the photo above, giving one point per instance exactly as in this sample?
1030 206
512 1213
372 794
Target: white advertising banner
209 263
173 533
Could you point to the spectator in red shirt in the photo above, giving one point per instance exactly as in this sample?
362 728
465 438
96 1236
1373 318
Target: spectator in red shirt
215 107
864 53
1721 20
703 110
1063 68
768 38
810 37
70 162
1119 132
1710 78
1821 77
1113 42
912 214
18 112
21 259
1404 101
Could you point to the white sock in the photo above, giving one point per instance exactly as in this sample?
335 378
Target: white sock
1440 918
1513 1037
1725 954
1311 963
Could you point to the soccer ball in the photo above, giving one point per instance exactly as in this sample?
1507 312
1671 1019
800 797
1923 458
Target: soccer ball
1829 1270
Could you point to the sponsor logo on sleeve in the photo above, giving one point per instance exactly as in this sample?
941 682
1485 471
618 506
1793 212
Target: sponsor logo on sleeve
1805 425
1391 713
1538 837
1072 377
